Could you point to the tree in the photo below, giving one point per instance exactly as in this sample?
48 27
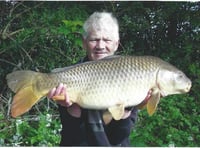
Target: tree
44 35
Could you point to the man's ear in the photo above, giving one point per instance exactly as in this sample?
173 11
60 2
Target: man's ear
117 45
84 43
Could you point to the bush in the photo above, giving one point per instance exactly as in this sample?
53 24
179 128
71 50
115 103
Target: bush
42 36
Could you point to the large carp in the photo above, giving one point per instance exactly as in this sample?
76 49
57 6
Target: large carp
112 83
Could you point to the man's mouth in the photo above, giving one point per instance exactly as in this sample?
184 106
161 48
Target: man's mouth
97 52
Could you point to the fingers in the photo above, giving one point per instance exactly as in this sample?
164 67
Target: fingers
148 96
58 91
126 114
67 100
149 93
74 110
51 93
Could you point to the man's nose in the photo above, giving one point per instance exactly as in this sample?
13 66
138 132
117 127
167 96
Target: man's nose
100 44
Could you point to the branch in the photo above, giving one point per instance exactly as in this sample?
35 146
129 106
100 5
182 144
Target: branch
5 35
23 50
6 61
5 32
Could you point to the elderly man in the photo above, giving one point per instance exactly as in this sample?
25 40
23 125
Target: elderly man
83 127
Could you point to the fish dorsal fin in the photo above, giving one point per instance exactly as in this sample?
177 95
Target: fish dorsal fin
153 101
78 64
117 111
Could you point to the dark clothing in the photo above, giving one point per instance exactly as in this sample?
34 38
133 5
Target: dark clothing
86 131
90 130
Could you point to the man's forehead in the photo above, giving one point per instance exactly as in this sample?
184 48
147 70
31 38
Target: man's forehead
102 34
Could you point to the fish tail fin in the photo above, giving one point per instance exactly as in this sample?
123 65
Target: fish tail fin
23 83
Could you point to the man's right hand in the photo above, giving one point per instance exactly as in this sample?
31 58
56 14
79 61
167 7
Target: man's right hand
72 108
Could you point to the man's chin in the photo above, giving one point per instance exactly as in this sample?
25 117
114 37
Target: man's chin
100 56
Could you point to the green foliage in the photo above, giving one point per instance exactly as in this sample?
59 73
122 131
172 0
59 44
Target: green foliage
43 130
182 130
73 30
42 36
48 38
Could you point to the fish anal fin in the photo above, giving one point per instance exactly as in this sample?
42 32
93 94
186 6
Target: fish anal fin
117 111
23 101
107 117
153 101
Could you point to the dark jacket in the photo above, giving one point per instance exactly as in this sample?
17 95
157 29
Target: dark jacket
90 130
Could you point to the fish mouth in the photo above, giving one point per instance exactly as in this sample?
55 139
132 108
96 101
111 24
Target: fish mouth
187 89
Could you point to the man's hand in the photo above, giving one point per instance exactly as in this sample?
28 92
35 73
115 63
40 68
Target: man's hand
73 109
128 113
142 105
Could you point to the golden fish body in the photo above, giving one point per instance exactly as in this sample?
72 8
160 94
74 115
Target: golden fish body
112 83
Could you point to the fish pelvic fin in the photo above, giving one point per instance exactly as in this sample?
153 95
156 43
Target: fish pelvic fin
153 101
117 111
141 106
23 84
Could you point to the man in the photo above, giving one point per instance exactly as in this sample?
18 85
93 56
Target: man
82 127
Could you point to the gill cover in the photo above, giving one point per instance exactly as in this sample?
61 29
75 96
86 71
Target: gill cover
170 81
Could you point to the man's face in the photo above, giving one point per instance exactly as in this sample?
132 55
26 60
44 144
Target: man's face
100 44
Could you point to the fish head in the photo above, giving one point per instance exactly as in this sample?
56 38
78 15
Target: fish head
171 80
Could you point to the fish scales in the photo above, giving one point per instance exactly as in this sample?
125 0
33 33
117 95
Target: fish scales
112 83
108 82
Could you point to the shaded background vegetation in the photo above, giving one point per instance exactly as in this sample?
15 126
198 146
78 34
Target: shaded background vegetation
44 35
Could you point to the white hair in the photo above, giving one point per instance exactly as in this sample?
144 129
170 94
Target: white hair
99 21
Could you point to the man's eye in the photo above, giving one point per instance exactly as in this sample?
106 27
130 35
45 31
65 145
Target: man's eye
107 40
92 40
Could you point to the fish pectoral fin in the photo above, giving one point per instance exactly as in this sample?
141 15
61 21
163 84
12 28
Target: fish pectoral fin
153 101
23 100
117 111
107 117
141 106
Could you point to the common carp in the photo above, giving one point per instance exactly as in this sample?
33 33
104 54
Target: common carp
109 84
